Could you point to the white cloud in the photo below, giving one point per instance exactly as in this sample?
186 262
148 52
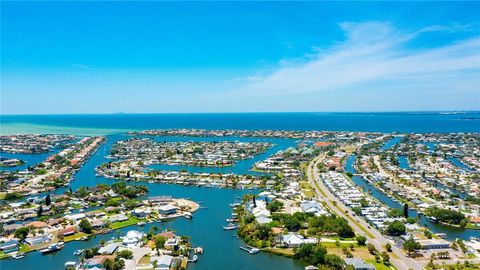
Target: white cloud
380 56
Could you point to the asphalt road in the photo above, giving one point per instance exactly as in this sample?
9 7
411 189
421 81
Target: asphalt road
397 256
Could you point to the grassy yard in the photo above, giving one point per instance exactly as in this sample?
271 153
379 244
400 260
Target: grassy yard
358 252
74 236
144 260
380 265
471 226
3 255
286 252
307 189
2 195
333 244
24 248
131 221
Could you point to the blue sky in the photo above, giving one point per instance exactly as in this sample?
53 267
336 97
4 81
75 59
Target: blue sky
107 57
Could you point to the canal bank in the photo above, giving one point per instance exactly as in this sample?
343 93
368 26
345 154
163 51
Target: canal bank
452 233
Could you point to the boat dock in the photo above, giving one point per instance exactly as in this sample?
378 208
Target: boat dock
249 249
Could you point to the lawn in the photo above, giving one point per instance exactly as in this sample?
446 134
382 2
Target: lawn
131 221
24 248
308 193
380 265
74 237
286 252
2 195
144 260
3 255
359 252
333 244
471 226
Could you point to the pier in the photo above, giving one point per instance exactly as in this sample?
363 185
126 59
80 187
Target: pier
250 249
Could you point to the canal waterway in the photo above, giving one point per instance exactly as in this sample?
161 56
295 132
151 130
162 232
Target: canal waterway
452 232
403 163
455 161
205 229
391 142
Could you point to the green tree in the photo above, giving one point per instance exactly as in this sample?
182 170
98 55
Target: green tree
275 206
48 200
385 258
12 196
108 264
446 215
21 233
405 210
334 261
410 246
126 254
361 240
388 247
311 254
112 202
396 228
159 241
85 226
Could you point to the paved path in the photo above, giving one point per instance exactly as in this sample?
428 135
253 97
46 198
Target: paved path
397 258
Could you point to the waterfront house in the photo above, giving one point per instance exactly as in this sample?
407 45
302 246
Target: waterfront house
55 221
167 209
68 231
140 212
132 238
37 225
9 246
98 224
11 228
163 262
167 234
475 220
263 219
93 263
37 240
172 243
294 240
117 218
75 217
108 249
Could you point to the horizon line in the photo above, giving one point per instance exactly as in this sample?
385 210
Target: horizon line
253 112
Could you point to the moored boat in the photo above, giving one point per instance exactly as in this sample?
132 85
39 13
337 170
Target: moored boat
70 265
230 226
52 248
17 256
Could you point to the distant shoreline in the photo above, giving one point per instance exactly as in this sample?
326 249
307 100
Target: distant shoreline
455 112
